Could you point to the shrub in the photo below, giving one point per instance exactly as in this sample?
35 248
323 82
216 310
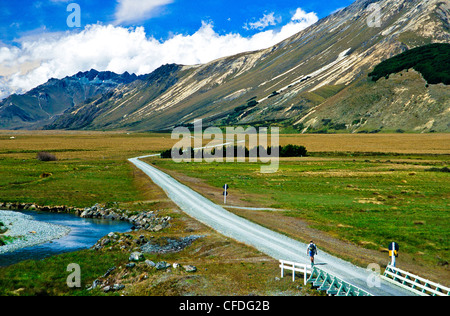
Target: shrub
445 169
293 151
166 154
260 151
45 156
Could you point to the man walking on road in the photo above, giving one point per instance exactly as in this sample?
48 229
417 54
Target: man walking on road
311 251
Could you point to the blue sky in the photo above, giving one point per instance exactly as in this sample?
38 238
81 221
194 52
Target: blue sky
33 17
138 36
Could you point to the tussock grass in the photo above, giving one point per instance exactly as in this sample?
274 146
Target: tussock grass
369 202
402 202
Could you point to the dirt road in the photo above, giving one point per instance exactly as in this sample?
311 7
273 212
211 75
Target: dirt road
271 243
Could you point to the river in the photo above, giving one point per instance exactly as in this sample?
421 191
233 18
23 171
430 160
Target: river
84 233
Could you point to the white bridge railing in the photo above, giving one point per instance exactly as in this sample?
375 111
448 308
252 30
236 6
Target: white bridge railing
335 286
295 267
322 280
414 283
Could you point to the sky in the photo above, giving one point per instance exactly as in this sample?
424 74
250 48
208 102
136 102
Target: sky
43 39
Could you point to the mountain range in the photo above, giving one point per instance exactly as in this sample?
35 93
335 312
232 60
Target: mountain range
316 81
43 104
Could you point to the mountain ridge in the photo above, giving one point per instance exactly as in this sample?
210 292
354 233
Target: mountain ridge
288 84
44 103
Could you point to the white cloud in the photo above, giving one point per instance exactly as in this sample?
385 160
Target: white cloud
138 10
300 21
119 49
264 22
301 15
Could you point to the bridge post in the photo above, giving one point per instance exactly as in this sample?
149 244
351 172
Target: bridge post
305 276
293 272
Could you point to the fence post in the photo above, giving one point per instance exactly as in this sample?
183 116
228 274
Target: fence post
282 269
293 272
305 276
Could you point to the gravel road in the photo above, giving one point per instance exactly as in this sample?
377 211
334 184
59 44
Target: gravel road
271 243
28 232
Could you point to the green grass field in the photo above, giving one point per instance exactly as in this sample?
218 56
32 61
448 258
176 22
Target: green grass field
78 183
370 201
91 167
26 278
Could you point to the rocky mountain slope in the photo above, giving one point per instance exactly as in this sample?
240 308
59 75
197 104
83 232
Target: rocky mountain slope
408 92
315 81
43 104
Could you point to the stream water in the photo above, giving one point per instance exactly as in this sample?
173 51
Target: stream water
84 234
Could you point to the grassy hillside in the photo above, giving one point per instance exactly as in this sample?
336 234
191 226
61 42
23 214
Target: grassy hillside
401 102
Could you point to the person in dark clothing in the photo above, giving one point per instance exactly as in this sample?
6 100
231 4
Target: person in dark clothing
311 251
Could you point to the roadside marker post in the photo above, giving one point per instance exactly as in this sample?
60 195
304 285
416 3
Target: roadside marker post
393 252
225 193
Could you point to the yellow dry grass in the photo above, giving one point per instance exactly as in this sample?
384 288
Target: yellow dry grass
121 145
374 143
82 145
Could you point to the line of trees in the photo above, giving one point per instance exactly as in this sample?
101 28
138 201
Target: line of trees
239 151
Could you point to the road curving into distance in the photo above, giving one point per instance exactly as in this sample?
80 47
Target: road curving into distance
273 244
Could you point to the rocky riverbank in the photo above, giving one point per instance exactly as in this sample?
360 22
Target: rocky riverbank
35 207
23 231
146 220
